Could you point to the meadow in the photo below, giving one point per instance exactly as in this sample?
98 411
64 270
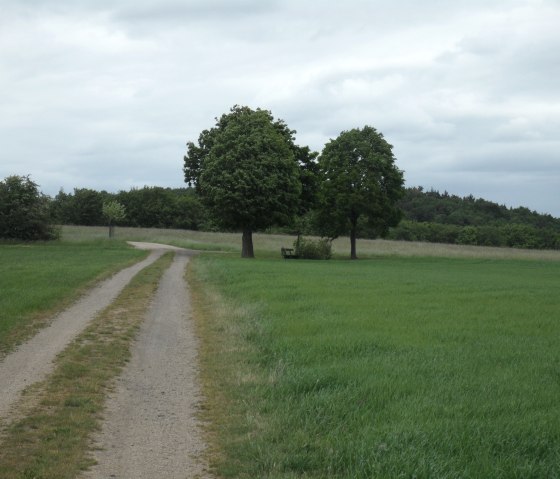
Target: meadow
389 367
38 279
419 360
268 245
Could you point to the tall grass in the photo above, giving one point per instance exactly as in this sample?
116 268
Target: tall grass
268 245
393 367
37 279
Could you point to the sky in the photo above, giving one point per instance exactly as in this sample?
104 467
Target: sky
105 94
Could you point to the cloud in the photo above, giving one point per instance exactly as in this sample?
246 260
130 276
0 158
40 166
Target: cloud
105 94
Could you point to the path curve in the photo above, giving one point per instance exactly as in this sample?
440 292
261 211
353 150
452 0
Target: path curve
160 247
150 428
32 361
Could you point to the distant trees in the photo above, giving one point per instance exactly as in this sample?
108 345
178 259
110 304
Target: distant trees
437 217
359 179
148 207
157 207
428 216
83 207
24 213
246 172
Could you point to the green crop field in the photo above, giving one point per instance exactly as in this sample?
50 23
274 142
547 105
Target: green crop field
37 279
389 367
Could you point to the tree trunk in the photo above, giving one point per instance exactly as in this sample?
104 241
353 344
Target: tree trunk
111 231
247 244
353 240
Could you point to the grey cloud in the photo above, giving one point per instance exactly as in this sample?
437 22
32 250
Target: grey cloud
105 94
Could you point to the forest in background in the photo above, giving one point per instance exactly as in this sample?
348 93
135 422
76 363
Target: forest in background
428 216
443 218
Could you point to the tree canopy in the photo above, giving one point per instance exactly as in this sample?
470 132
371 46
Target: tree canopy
246 172
359 179
24 213
113 211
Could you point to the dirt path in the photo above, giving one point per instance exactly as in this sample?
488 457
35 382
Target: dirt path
150 428
33 360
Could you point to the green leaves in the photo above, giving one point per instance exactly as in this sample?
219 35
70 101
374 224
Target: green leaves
245 170
359 179
114 212
24 211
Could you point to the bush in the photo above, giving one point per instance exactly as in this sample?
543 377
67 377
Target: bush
310 249
468 236
24 212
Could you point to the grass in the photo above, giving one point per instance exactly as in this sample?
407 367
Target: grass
198 240
53 439
268 245
422 361
391 367
39 279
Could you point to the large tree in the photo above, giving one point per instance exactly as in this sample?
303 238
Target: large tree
246 172
359 179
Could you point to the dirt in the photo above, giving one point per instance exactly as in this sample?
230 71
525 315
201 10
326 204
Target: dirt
33 360
150 427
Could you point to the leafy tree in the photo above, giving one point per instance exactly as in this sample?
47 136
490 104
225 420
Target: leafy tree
190 212
60 207
245 172
114 212
150 206
359 179
468 235
84 207
24 211
157 207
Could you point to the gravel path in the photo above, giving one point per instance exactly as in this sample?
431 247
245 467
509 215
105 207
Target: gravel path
150 429
33 360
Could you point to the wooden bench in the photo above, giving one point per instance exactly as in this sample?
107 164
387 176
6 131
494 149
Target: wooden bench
288 253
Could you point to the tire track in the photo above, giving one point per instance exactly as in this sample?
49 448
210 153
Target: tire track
150 428
32 361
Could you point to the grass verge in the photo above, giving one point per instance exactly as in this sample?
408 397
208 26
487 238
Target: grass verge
52 441
39 279
393 367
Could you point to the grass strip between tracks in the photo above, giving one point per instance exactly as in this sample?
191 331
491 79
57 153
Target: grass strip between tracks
53 438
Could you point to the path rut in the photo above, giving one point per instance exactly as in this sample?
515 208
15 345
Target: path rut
33 360
150 428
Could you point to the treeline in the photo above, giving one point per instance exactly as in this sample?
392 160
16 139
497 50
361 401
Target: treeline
428 216
148 207
443 218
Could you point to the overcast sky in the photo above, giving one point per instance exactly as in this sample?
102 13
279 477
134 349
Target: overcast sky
104 94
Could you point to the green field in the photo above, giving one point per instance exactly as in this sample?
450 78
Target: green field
419 361
38 279
389 367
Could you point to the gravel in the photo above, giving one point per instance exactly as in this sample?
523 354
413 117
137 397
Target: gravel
150 428
33 360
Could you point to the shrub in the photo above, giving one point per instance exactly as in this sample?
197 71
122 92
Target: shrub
468 235
24 213
310 249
